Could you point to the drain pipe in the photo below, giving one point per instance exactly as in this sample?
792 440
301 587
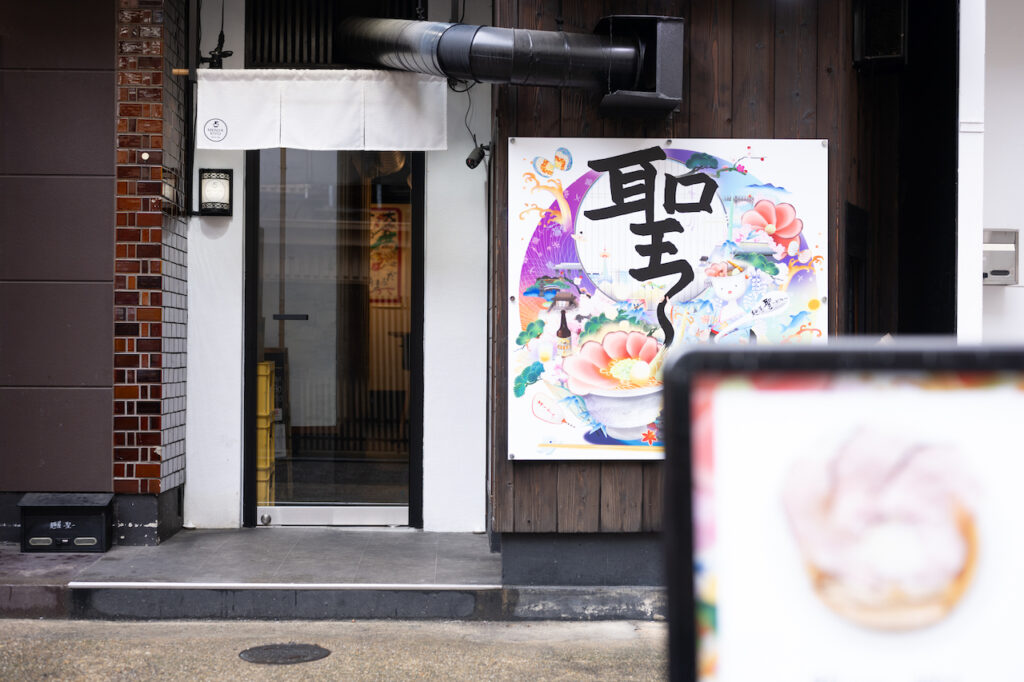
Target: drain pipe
627 55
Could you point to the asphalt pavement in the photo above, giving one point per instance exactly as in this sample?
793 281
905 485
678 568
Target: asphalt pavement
360 650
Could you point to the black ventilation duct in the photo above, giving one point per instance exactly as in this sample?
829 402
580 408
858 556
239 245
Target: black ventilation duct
636 60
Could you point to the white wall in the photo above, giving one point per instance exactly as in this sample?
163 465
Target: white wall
455 329
213 431
1004 149
971 202
455 325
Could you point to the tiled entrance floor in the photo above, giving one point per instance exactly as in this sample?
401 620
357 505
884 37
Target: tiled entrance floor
300 556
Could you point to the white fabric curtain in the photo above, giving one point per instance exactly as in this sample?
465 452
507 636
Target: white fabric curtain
320 109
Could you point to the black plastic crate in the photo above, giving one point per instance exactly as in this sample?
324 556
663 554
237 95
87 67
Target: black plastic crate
66 522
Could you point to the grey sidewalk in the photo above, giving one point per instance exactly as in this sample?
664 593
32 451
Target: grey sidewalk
362 650
304 556
306 573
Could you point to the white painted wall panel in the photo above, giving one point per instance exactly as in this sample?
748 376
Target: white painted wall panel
455 325
970 200
213 432
1004 148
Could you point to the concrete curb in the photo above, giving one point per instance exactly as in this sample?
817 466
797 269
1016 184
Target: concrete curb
594 602
34 601
243 602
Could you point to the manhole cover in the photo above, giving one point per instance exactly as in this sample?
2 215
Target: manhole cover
284 654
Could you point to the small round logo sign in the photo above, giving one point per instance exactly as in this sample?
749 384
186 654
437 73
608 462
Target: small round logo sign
215 129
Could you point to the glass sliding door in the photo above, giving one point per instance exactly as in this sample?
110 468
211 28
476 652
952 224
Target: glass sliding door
333 337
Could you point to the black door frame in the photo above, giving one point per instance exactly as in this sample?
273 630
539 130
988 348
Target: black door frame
250 350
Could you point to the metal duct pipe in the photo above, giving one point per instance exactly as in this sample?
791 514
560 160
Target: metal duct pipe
494 55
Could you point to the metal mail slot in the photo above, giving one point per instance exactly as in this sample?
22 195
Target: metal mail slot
66 522
999 257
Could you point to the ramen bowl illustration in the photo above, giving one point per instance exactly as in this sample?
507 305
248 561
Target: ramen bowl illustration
619 380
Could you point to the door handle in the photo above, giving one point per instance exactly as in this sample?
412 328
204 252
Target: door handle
291 316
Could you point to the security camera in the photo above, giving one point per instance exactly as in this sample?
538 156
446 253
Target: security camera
477 155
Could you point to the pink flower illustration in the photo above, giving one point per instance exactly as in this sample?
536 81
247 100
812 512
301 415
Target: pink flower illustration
620 360
778 221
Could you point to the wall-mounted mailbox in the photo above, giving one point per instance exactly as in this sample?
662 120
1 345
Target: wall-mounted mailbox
66 522
999 257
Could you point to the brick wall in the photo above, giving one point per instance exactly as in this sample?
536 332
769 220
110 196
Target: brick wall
150 265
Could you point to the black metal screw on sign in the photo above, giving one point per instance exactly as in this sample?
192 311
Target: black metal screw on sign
284 654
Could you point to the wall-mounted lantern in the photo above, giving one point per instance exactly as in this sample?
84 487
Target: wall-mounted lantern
215 197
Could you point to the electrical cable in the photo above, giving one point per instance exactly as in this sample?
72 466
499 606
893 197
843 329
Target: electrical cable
469 109
193 84
453 85
479 150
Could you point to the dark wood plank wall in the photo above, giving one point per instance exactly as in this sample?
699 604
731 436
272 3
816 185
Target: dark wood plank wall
754 68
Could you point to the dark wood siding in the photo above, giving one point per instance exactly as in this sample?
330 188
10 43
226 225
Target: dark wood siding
753 68
301 33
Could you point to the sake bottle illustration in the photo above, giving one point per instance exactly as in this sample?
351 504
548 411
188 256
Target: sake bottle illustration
564 336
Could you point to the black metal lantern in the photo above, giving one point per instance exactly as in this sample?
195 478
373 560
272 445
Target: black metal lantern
215 196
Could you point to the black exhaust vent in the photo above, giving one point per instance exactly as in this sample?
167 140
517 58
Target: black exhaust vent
637 60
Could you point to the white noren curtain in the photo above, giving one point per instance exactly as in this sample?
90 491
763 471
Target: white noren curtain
320 109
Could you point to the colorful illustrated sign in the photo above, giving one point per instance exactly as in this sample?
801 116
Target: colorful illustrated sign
386 253
621 248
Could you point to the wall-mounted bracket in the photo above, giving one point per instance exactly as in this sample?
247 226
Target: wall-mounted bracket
659 89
